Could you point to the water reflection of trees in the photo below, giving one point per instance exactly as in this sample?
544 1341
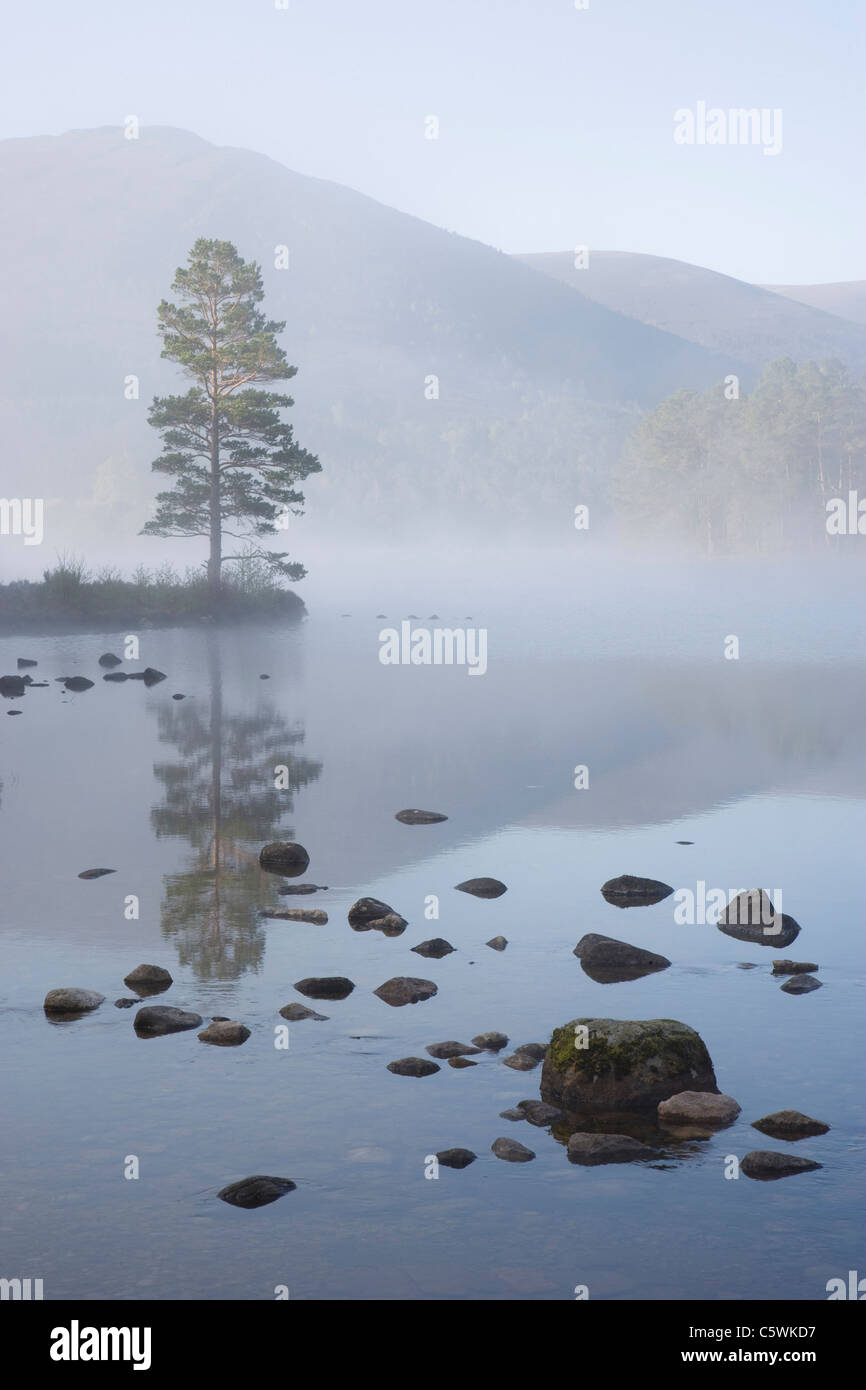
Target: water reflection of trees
219 794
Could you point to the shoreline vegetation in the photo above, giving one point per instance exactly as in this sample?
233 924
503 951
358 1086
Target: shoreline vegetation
71 597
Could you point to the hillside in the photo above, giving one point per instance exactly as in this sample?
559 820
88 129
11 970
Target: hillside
846 298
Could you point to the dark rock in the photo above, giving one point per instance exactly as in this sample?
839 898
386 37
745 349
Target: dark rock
460 1062
699 1107
419 817
750 916
23 662
482 887
225 1033
109 659
520 1061
96 873
285 858
539 1113
456 1158
369 914
537 1051
593 1149
790 1124
405 989
300 888
325 987
14 711
794 967
12 686
413 1066
685 842
491 1042
126 1003
257 1191
444 1050
151 676
610 961
436 948
629 891
297 914
511 1151
77 683
264 676
220 1018
178 697
800 984
148 979
512 1115
72 1001
497 943
746 965
116 676
155 1020
296 1012
625 1065
767 1164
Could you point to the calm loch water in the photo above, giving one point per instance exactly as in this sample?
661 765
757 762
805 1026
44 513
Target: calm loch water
760 762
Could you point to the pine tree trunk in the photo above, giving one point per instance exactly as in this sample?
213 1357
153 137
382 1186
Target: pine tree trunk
214 565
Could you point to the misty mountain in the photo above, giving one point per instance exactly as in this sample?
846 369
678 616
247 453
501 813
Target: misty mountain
845 298
728 316
537 385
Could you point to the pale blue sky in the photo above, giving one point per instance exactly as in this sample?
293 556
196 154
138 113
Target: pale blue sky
556 125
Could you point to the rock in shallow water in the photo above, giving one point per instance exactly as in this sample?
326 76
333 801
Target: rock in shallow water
497 943
794 967
155 1020
790 1124
109 659
314 915
593 1149
148 979
631 891
492 1042
225 1033
72 1001
325 987
434 949
482 887
296 1012
10 686
405 989
257 1191
284 857
412 817
539 1113
448 1049
413 1066
800 984
95 873
750 916
77 683
511 1151
458 1063
456 1158
767 1164
613 961
699 1107
607 1064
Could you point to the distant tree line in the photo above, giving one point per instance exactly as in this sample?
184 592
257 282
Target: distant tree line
722 471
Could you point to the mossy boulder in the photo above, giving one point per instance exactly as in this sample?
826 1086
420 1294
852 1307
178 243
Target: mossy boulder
608 1064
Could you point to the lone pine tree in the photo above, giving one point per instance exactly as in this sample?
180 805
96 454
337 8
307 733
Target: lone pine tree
234 463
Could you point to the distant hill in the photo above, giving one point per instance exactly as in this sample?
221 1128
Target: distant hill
537 384
752 323
846 298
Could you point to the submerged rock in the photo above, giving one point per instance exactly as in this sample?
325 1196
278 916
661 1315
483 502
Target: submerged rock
512 1114
511 1151
610 961
699 1107
126 1003
155 1020
148 979
291 889
790 1124
225 1033
456 1158
800 984
405 989
593 1149
630 891
413 1066
72 1001
325 987
419 817
436 948
491 1042
256 1191
95 873
295 1012
608 1064
767 1164
482 887
444 1050
794 967
285 857
316 916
